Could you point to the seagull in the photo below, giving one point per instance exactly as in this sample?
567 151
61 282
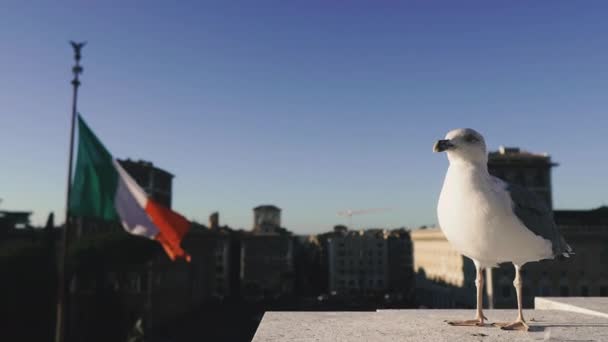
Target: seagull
491 221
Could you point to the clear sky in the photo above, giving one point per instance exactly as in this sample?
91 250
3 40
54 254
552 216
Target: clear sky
314 106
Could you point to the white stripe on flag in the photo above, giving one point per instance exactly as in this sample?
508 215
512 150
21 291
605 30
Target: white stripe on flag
130 201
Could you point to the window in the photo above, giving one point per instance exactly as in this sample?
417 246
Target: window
584 291
520 178
564 291
604 291
506 291
540 178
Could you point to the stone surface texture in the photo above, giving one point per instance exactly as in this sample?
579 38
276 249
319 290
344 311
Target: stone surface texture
597 306
427 325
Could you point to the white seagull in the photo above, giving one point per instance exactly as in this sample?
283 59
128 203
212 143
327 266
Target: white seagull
491 221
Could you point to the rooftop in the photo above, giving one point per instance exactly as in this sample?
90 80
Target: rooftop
267 207
516 155
560 323
143 164
585 217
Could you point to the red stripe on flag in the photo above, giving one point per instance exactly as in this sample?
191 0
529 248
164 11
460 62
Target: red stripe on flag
172 228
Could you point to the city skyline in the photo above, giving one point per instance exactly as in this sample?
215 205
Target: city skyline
251 105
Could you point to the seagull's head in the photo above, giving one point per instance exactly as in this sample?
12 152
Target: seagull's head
463 144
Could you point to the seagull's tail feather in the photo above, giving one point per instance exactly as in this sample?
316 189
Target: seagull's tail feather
565 251
569 251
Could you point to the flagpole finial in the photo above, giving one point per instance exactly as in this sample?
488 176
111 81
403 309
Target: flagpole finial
77 69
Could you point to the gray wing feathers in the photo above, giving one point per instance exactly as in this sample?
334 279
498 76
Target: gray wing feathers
537 217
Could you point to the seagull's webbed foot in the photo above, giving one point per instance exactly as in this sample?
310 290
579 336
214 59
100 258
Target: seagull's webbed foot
477 322
517 325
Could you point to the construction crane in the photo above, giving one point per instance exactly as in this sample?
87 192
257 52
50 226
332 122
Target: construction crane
349 213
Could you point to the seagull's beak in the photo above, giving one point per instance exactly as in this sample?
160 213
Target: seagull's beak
442 145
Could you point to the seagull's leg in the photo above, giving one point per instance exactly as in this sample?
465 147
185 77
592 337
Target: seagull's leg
479 317
519 323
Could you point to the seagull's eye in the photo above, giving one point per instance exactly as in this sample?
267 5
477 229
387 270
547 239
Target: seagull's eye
470 138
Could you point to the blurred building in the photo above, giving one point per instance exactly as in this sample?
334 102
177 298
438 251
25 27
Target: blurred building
266 219
444 278
400 262
530 170
11 221
267 268
358 262
583 274
308 267
156 182
267 256
159 289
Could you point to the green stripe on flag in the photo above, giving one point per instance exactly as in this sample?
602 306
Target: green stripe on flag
95 179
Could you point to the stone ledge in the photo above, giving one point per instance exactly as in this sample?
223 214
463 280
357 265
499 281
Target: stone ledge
426 325
597 306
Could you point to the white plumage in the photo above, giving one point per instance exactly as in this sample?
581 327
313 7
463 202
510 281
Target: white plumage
490 221
476 214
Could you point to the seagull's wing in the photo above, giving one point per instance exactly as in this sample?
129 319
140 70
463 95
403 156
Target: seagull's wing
536 216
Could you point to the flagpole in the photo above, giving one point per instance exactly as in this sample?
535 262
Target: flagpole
61 326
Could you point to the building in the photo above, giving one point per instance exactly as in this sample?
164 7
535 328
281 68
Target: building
158 289
583 274
12 221
308 267
530 170
156 182
267 256
266 219
400 262
267 268
444 278
358 262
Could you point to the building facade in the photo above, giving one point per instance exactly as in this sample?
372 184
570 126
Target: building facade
156 182
530 170
12 221
266 219
446 279
400 262
267 267
358 262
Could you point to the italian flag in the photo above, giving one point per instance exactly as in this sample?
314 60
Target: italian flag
102 189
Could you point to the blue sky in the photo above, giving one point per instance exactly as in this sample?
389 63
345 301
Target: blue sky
315 106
